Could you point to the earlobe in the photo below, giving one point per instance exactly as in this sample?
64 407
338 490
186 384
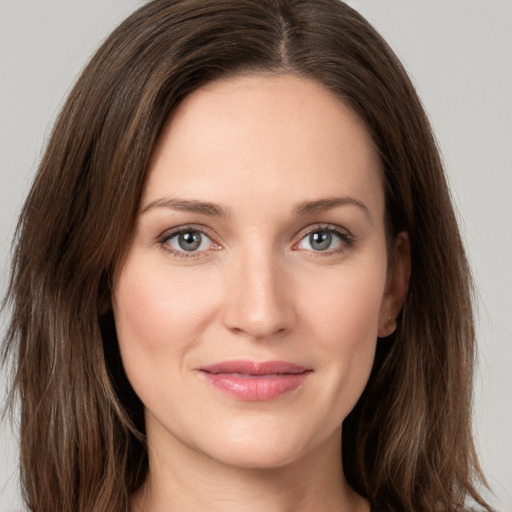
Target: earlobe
397 286
388 328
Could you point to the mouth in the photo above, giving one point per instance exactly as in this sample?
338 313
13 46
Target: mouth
255 381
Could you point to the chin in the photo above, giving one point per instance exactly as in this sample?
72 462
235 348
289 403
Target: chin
257 458
266 449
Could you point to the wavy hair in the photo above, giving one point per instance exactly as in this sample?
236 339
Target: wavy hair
407 445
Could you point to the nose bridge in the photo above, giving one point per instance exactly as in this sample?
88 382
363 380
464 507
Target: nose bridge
258 302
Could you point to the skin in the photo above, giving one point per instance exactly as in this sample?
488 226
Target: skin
258 148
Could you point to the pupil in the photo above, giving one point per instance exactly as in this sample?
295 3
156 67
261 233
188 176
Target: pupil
190 241
320 240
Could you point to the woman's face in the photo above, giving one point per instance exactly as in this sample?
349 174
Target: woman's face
250 301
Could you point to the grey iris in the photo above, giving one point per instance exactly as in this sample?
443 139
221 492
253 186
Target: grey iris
189 241
321 240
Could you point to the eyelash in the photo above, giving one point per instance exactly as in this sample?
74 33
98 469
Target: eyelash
168 235
346 238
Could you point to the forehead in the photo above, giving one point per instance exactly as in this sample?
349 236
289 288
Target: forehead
281 137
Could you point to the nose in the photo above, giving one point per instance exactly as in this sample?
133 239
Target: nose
259 298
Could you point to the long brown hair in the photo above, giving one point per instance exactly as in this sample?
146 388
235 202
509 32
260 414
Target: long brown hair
407 445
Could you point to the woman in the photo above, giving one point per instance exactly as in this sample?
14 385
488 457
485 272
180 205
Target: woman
238 278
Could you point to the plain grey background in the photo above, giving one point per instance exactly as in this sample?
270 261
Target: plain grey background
459 55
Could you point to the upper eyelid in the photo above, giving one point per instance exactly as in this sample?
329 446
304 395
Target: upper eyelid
205 229
324 226
169 233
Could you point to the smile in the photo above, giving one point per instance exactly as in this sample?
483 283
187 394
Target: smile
253 381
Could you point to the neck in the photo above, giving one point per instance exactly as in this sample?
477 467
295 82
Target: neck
181 479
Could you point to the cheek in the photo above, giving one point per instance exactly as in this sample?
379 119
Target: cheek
344 320
148 301
346 308
158 317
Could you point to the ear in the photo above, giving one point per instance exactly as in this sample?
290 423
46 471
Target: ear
105 305
396 286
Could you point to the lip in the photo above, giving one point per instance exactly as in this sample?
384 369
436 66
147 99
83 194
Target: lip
255 381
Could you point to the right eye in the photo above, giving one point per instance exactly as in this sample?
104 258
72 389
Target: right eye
188 241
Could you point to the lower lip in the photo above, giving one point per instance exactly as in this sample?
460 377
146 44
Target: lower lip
257 388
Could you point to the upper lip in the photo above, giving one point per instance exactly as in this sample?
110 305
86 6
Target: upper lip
254 368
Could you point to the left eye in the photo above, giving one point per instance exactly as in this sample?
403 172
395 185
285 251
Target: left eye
321 240
189 241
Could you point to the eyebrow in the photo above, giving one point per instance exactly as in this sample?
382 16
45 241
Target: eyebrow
187 205
325 204
214 210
